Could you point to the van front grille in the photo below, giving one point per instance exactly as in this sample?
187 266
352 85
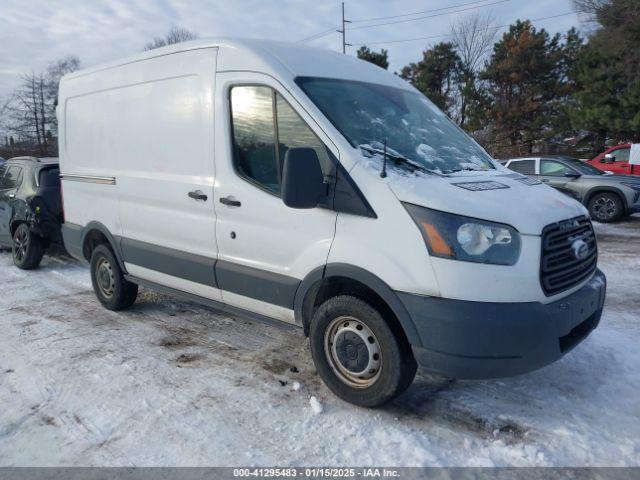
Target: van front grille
569 254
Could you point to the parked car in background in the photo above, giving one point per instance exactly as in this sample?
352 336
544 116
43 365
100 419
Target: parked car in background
30 208
616 160
608 197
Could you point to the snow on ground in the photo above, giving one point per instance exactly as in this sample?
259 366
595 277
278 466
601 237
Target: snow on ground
173 383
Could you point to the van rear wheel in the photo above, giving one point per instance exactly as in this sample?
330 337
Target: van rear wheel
113 291
357 353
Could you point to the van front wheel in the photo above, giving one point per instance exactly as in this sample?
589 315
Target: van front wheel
357 353
109 284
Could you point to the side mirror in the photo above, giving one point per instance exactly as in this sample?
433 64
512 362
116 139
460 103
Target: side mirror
609 158
302 179
572 175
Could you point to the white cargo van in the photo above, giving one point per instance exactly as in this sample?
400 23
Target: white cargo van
284 182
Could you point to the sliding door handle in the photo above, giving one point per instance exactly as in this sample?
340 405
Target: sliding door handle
229 201
198 195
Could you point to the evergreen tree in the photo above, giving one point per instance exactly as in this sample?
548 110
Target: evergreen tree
436 75
607 100
377 58
523 84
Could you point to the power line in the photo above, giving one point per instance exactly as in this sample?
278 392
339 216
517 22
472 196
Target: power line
450 34
324 33
429 16
419 13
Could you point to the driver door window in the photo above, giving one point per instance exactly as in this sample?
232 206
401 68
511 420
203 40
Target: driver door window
265 127
621 155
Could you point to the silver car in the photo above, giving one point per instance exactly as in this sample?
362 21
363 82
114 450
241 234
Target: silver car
608 197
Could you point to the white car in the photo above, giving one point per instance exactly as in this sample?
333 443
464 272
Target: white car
285 182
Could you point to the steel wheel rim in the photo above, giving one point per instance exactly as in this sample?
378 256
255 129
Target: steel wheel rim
353 352
105 278
21 241
604 208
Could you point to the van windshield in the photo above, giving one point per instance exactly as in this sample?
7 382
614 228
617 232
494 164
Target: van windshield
367 114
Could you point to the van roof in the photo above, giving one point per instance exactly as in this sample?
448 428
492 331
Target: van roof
271 57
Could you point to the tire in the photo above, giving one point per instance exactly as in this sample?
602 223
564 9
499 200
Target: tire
28 248
346 334
605 207
113 291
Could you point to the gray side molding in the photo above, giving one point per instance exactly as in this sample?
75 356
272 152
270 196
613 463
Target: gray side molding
262 285
188 266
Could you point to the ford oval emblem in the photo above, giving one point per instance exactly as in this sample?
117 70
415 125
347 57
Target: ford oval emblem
580 249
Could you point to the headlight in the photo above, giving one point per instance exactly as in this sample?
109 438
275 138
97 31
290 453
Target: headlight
465 238
633 186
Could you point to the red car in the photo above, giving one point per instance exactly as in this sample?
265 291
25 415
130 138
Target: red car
616 160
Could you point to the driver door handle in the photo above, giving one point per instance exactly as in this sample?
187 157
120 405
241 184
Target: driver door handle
229 201
198 195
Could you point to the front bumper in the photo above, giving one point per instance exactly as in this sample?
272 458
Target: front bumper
471 340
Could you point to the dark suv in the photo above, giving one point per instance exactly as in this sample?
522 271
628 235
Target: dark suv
30 208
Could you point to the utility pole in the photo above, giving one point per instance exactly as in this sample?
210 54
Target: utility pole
344 41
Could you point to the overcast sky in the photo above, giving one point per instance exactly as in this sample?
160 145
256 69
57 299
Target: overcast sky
35 32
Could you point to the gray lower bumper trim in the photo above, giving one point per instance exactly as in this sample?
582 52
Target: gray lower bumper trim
483 340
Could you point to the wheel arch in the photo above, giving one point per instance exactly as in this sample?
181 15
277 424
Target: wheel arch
19 215
606 189
344 279
96 233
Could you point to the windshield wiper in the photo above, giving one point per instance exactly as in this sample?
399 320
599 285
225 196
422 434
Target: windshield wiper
396 157
463 169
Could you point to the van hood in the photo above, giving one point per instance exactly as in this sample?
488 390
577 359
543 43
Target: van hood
499 195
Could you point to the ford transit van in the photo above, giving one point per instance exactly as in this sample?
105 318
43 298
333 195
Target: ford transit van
278 181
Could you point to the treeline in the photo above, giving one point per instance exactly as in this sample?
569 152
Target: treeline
28 115
530 92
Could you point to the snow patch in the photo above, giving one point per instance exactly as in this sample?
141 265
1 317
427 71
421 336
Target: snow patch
316 406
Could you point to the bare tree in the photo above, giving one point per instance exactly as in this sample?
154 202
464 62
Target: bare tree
26 113
29 114
589 7
175 35
473 38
